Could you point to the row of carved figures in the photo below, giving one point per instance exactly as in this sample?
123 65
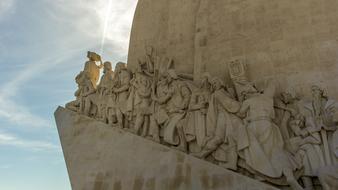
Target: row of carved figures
280 139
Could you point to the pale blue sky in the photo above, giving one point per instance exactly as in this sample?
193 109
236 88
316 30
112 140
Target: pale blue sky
43 45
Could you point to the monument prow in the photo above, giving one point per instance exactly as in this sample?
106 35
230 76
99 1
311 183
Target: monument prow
100 157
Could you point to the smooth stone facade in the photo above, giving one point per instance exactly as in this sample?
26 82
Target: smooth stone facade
295 42
100 157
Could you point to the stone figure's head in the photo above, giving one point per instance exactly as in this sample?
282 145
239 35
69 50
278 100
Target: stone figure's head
149 50
163 78
120 66
143 80
235 60
206 81
107 67
317 92
92 56
89 55
287 97
217 83
171 75
201 98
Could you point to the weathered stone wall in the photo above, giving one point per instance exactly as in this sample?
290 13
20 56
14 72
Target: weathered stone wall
295 42
100 157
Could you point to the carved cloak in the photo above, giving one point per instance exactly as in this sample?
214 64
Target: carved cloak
223 124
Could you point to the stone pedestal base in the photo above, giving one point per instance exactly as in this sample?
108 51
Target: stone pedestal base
100 157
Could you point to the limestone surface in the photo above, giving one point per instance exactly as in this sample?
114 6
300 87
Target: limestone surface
100 157
294 42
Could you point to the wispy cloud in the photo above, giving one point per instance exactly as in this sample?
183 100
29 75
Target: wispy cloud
5 7
95 21
32 145
20 114
6 166
91 19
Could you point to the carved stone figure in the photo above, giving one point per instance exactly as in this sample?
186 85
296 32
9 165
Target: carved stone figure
141 102
77 105
305 144
287 107
322 119
222 125
177 97
320 116
328 175
91 67
149 60
121 86
104 92
85 102
196 126
237 130
159 115
265 152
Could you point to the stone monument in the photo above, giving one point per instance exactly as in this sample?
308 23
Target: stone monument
215 95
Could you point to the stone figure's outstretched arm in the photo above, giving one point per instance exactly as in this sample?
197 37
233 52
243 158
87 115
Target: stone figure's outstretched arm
100 66
121 89
164 99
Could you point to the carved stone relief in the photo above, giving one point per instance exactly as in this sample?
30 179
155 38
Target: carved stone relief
283 140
